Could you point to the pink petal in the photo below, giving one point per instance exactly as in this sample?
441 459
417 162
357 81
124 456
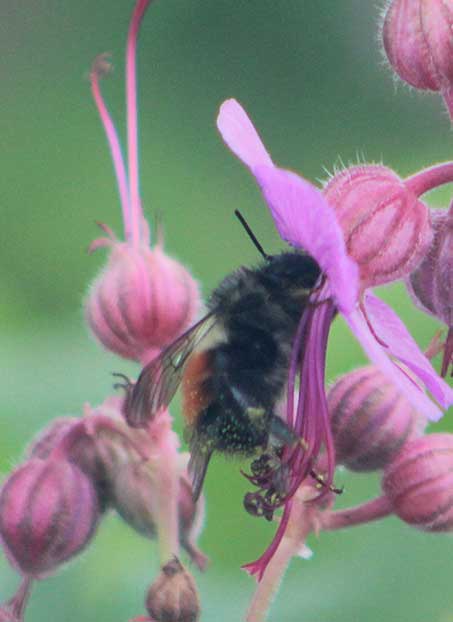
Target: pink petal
391 330
304 219
239 134
378 355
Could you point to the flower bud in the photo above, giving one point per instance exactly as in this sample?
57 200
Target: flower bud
173 596
431 284
46 440
141 301
419 483
134 498
387 230
371 421
418 43
48 513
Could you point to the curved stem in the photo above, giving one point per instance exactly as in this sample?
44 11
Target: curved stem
167 486
270 582
300 524
100 67
364 513
430 178
448 353
131 104
17 604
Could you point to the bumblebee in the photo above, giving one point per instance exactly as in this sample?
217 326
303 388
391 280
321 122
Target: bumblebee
233 364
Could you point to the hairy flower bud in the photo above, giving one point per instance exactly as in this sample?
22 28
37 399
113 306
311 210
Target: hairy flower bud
134 498
46 440
141 301
419 483
48 513
431 284
173 596
418 43
370 419
386 227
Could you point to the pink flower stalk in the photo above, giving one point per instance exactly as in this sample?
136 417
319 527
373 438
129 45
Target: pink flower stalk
371 420
305 219
431 284
418 43
14 609
419 483
143 299
304 518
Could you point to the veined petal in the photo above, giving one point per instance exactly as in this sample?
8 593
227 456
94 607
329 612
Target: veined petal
240 135
379 356
305 220
391 330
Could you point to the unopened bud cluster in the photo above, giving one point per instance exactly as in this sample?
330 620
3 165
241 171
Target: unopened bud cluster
375 428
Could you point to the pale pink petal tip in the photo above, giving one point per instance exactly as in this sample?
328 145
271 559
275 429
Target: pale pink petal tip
380 357
305 220
240 135
391 330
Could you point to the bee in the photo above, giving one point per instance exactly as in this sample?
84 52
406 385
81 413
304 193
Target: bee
233 364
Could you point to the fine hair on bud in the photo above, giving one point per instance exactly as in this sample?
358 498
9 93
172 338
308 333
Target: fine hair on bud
142 301
419 483
431 283
387 229
173 596
371 421
49 511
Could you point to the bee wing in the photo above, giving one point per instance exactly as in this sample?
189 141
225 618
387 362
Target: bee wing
159 380
198 465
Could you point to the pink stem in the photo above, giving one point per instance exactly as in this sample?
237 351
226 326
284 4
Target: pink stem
430 178
448 353
101 66
131 104
447 95
364 513
300 524
18 603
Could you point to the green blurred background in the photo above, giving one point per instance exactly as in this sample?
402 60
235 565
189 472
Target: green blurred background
310 73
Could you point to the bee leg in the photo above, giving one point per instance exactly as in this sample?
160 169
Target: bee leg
198 465
282 433
321 481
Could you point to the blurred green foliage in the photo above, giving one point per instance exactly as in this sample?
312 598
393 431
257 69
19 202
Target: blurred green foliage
310 74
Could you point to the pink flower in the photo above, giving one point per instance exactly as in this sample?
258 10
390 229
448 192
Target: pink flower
306 220
143 299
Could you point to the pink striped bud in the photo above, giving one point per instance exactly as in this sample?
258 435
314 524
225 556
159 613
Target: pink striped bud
431 284
49 511
371 421
173 596
387 229
419 44
141 301
419 483
46 440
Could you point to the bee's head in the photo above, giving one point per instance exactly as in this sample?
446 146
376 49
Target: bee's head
292 270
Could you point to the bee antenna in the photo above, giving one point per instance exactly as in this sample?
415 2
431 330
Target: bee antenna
251 235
